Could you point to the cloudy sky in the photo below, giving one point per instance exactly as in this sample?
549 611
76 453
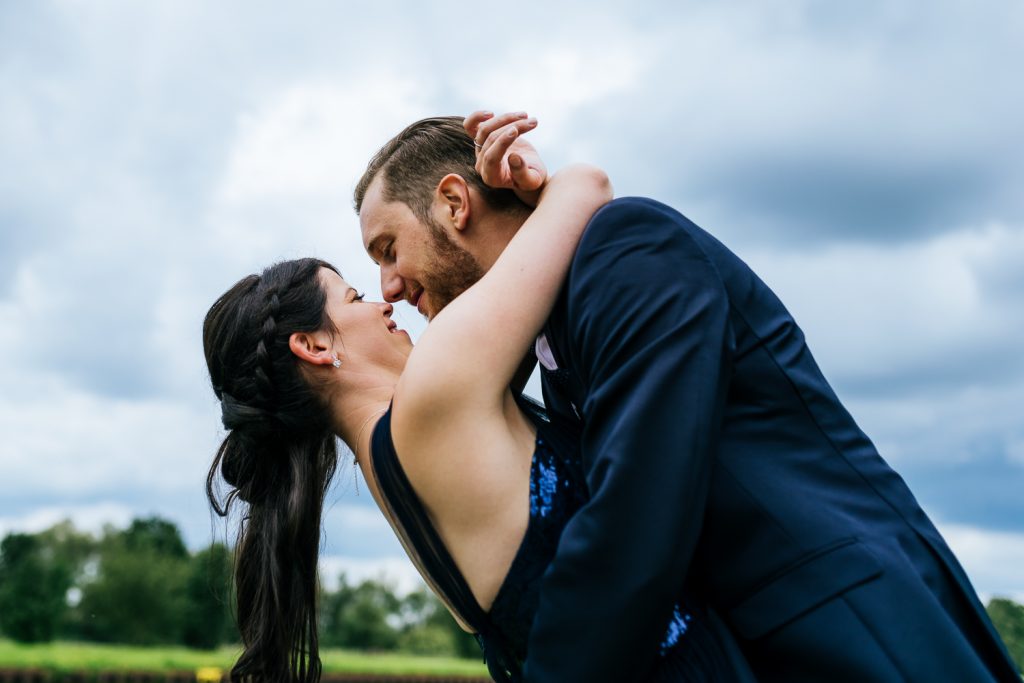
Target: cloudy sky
867 159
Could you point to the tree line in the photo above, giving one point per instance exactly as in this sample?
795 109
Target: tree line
141 585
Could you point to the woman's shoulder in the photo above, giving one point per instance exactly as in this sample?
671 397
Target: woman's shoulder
459 460
436 407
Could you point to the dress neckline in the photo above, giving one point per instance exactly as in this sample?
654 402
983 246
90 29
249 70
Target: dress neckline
382 434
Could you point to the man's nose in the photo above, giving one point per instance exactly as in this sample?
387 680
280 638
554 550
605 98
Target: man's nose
391 285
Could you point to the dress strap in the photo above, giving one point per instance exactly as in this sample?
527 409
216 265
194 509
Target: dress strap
417 534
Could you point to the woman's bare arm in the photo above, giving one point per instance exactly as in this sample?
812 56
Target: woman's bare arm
472 348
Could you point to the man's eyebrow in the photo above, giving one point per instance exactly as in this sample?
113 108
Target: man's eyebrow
373 248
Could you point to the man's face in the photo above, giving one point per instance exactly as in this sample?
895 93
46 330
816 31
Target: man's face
419 262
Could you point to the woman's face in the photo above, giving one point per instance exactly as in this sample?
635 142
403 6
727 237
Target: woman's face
364 329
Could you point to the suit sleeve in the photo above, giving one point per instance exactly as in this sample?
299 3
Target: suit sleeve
648 330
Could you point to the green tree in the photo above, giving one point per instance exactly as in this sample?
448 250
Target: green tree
68 545
359 617
429 629
208 620
1008 618
138 594
33 589
155 535
73 550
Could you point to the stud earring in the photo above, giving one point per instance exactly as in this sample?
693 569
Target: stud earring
336 362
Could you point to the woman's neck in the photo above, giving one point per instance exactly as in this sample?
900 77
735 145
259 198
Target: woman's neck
354 415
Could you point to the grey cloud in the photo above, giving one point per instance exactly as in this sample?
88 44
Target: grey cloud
985 362
797 125
815 198
20 232
780 132
984 491
354 526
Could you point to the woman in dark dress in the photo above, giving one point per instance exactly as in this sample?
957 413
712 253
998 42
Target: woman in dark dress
474 480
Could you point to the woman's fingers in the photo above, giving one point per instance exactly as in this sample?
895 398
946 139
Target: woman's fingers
492 158
491 124
524 176
503 158
502 132
473 121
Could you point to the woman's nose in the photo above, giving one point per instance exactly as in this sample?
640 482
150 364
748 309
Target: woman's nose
387 308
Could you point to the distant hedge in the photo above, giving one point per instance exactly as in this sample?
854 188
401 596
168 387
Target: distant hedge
140 585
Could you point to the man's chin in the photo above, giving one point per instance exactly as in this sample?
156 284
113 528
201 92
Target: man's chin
428 309
425 310
430 305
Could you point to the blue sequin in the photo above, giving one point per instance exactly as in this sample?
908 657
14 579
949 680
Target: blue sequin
558 489
676 628
543 486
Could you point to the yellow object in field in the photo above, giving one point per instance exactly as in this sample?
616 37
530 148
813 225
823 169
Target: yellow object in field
209 674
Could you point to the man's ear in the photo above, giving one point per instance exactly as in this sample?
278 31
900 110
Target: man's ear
312 347
453 197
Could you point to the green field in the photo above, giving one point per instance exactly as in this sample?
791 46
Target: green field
67 656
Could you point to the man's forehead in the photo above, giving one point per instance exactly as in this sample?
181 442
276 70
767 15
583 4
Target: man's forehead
381 219
370 229
373 221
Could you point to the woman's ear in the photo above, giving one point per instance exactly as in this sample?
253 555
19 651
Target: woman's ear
311 347
453 196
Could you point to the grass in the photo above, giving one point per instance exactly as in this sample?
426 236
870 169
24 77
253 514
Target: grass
69 656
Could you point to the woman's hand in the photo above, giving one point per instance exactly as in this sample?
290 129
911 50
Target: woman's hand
503 158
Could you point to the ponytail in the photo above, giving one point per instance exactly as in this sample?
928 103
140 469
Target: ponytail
278 460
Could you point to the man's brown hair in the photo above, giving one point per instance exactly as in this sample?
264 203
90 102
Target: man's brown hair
413 162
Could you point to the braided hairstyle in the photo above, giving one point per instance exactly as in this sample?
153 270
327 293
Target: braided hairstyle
278 459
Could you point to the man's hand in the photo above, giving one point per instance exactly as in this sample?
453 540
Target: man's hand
503 158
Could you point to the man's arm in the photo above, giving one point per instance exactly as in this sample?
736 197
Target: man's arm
648 331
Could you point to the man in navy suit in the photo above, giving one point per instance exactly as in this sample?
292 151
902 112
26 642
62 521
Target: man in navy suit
715 451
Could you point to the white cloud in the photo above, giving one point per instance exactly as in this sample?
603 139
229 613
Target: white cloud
154 157
293 161
790 122
397 571
313 138
992 559
353 518
1015 450
88 518
879 310
63 441
919 339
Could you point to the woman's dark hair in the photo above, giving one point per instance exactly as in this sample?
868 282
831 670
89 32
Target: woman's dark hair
278 458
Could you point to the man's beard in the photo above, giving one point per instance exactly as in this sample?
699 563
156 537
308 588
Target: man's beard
450 272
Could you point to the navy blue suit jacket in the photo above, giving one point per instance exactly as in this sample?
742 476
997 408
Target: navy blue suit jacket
717 456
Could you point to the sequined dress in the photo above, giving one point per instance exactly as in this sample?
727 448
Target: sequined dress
695 646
